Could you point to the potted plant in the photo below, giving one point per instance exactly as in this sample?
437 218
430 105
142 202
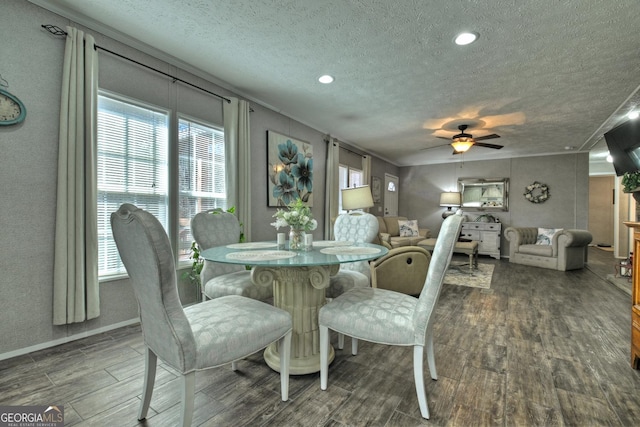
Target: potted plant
631 181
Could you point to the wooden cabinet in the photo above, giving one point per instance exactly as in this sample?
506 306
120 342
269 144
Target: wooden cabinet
486 233
635 297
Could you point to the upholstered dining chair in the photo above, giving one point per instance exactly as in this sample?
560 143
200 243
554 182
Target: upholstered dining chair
358 227
392 318
202 336
219 279
402 269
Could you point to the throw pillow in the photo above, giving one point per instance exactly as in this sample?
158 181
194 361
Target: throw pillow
545 235
408 228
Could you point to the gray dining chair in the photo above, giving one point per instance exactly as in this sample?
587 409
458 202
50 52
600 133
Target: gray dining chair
387 317
219 229
201 336
357 227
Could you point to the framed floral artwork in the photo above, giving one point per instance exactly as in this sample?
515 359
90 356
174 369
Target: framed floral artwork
289 170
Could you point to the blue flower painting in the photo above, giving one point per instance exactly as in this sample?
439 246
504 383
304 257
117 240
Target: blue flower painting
290 170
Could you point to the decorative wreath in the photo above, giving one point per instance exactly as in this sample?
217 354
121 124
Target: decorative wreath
536 192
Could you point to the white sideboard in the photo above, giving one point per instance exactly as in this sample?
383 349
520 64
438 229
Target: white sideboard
486 233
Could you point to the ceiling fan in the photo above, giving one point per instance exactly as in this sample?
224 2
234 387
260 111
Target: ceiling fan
463 141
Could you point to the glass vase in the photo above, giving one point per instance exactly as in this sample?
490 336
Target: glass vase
296 239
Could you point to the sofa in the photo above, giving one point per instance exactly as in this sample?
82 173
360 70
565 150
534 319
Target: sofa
563 250
389 233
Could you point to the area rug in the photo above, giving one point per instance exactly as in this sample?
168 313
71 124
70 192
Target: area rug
459 275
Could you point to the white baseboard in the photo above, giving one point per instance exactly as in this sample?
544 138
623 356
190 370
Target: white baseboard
42 346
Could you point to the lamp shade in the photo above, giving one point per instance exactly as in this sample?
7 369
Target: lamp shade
450 198
356 198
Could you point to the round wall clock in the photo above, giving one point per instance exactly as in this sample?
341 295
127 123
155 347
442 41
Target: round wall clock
12 110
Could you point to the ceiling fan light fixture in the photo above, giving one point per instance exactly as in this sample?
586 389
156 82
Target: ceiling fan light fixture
465 38
462 144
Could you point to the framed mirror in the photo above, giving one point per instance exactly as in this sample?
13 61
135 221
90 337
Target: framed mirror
484 194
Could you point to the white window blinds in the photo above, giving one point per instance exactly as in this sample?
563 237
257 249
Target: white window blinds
132 168
201 176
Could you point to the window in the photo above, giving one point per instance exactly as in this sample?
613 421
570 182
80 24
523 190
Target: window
134 141
348 177
133 144
201 170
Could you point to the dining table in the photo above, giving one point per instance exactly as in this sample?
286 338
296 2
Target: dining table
299 279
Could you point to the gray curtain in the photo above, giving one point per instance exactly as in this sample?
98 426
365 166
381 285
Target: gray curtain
238 160
332 186
76 295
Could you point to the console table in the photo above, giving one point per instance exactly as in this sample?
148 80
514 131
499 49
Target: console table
635 296
487 234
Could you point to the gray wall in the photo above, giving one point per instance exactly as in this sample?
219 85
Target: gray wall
32 64
566 175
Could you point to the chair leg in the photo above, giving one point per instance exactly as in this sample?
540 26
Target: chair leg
284 348
418 377
188 395
340 341
150 363
431 359
354 346
324 356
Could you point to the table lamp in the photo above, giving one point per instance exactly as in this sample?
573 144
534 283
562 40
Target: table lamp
450 199
356 198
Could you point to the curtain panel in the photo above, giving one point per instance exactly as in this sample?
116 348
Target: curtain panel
75 275
332 186
238 167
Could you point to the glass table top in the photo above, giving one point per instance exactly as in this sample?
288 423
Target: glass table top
267 254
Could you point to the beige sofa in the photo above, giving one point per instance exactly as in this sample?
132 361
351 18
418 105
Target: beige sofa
389 233
567 251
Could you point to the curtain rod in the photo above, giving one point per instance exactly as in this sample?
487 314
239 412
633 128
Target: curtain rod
57 31
328 139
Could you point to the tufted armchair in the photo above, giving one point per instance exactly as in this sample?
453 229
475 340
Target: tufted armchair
357 227
202 336
219 279
392 318
568 249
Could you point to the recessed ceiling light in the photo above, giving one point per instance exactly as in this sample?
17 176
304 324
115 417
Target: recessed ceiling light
465 38
326 79
633 114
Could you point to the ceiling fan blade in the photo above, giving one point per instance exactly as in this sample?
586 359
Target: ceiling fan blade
492 136
444 137
484 144
436 146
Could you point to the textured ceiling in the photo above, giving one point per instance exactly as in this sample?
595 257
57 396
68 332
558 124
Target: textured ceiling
544 74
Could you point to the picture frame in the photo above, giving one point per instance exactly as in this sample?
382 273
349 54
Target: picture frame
376 189
289 170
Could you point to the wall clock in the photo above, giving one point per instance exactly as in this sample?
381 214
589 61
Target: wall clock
12 110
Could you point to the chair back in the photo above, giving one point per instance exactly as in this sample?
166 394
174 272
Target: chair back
440 260
356 228
146 253
402 269
215 229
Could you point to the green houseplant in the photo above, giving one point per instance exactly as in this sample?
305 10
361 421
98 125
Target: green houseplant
631 182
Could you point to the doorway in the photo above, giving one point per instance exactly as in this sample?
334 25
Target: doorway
390 195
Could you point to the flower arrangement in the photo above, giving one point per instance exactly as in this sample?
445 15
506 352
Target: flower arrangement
298 216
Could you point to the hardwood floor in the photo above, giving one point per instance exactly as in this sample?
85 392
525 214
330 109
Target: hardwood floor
540 347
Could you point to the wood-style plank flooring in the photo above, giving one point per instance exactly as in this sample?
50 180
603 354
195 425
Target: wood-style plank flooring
540 348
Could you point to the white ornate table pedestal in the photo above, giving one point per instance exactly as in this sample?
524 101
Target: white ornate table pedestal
301 292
